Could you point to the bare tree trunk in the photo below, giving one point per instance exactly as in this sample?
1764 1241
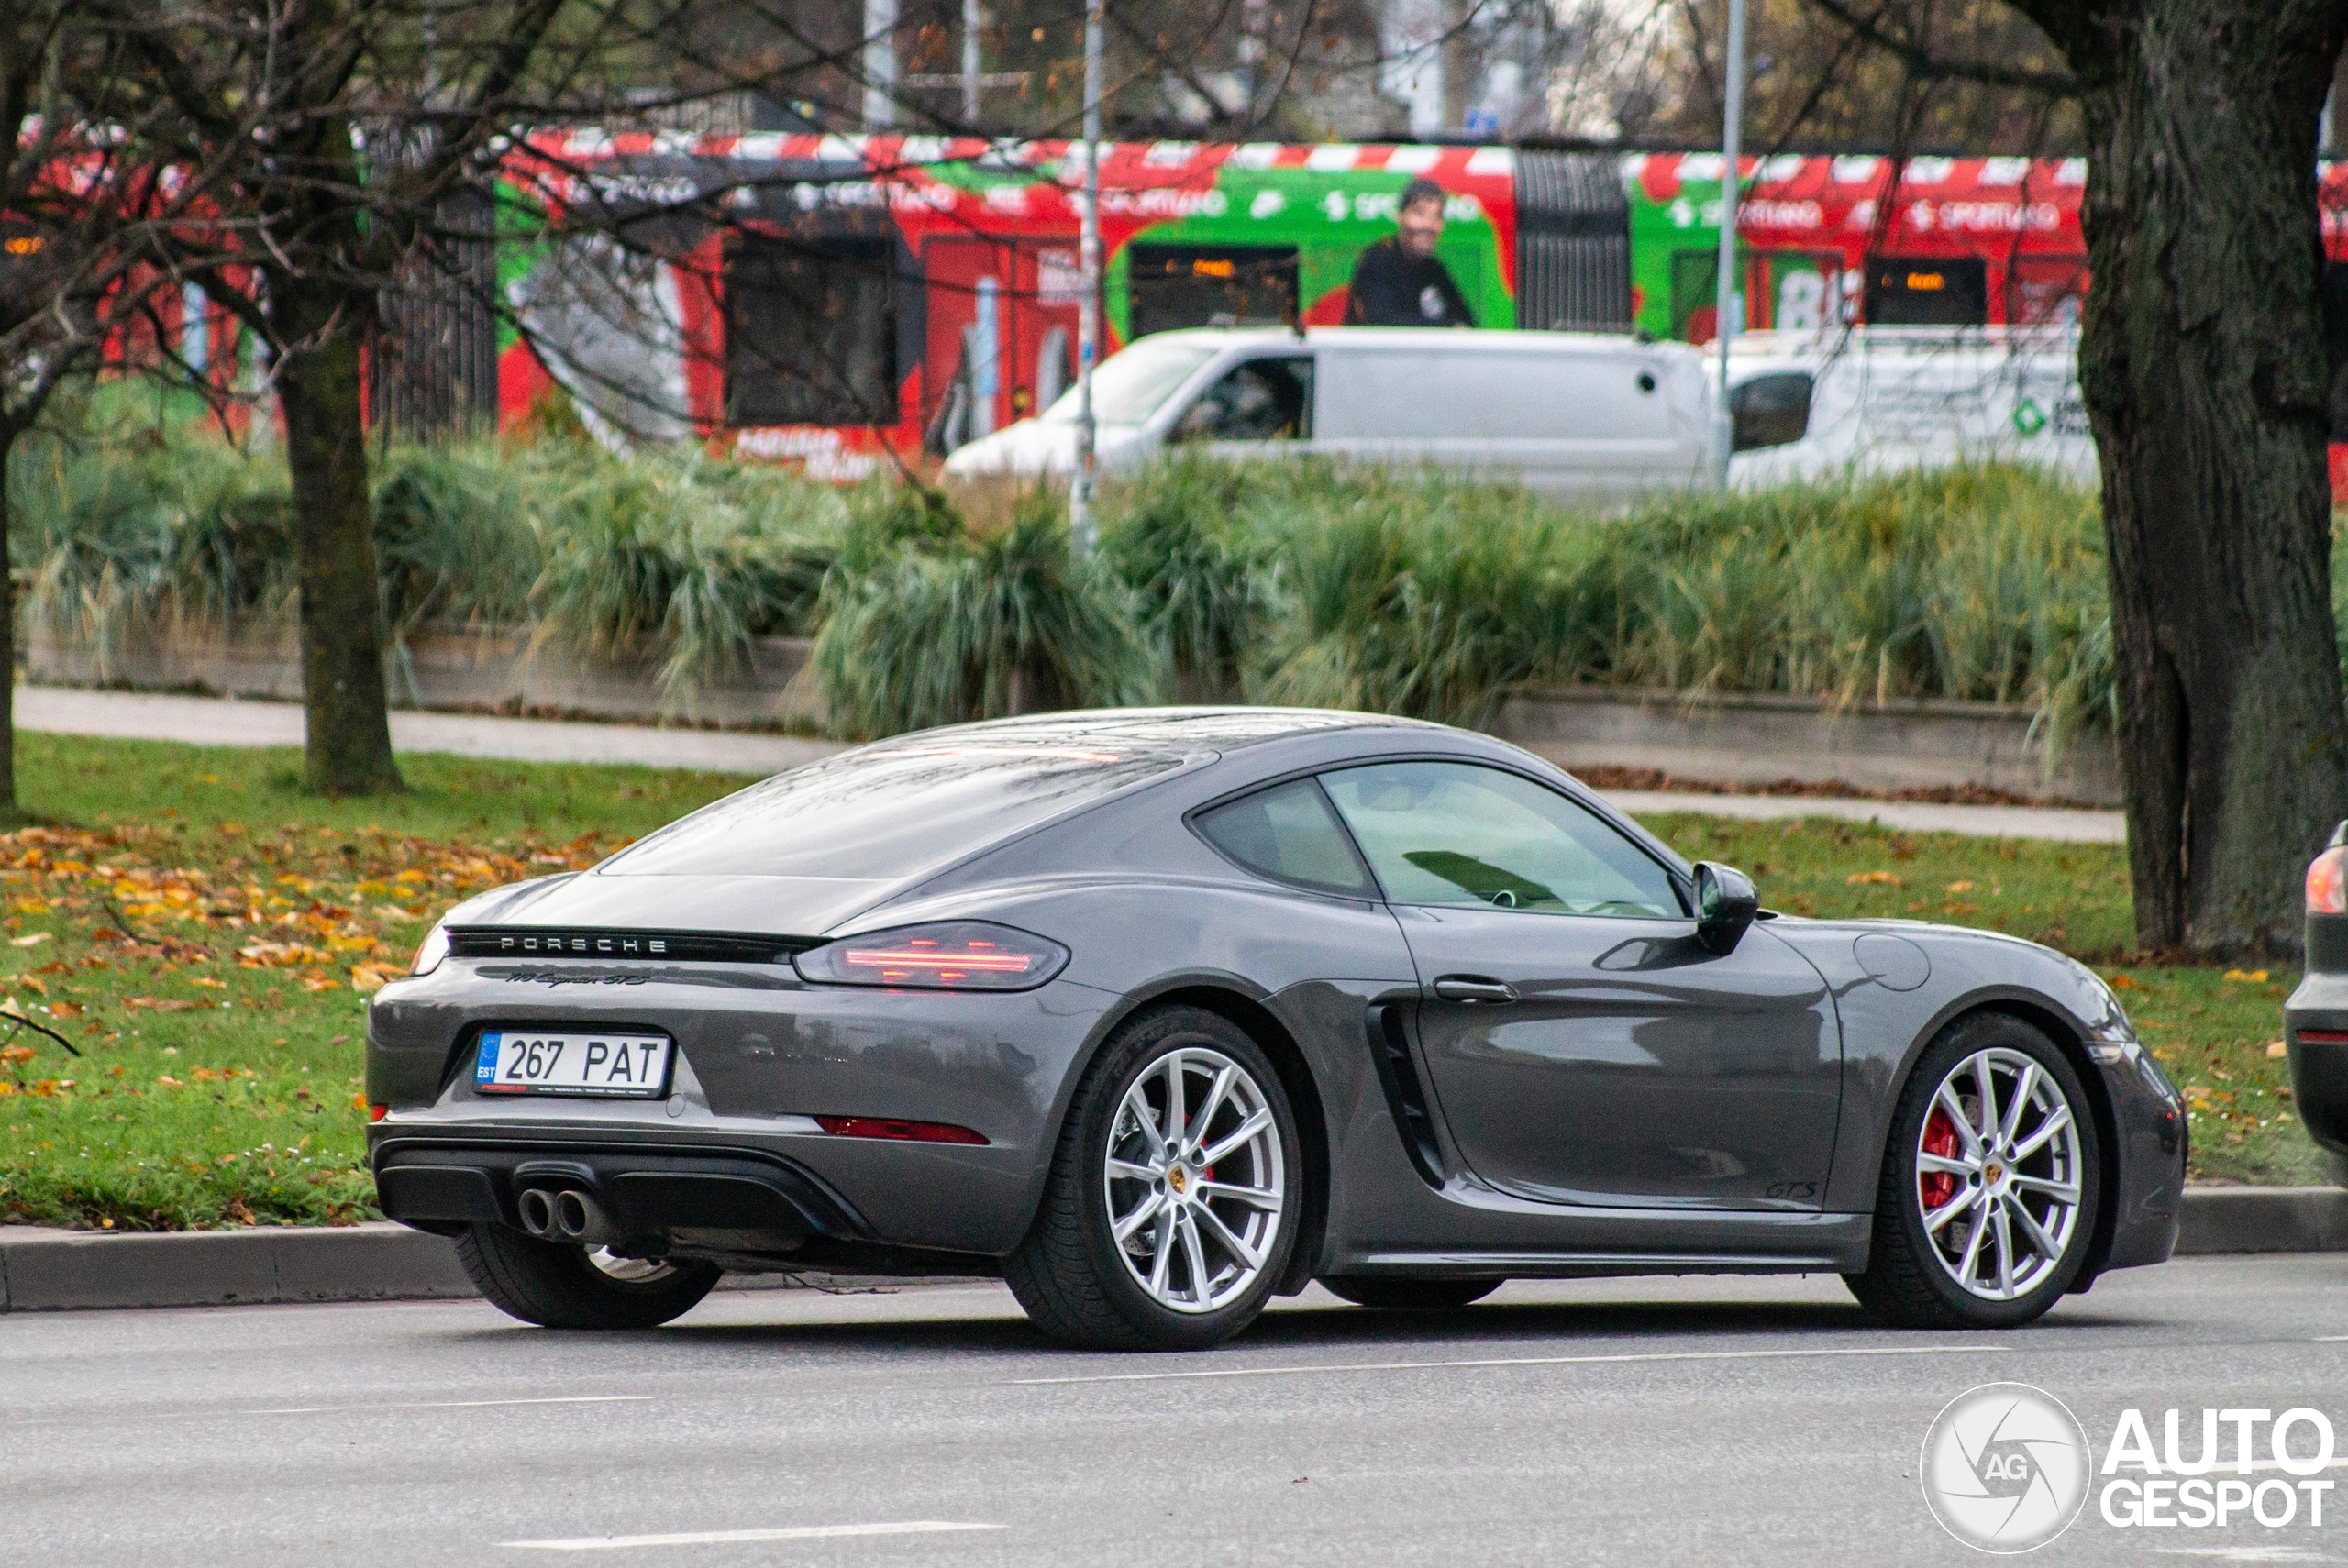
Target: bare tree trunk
349 745
2203 369
1457 64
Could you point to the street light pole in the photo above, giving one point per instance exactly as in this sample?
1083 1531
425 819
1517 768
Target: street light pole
970 22
1087 320
880 64
1728 314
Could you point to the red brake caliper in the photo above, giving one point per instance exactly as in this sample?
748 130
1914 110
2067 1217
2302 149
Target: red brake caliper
1939 1138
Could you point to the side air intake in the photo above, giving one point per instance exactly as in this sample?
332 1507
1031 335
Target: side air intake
1389 1049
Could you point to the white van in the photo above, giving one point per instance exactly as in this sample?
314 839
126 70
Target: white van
1875 400
1578 416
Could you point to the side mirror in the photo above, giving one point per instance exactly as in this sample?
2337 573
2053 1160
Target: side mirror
1725 905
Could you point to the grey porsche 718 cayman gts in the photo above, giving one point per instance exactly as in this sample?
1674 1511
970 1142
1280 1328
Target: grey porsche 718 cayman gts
1157 1013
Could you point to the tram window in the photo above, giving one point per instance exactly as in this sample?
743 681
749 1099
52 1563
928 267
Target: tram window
1910 291
811 332
1172 286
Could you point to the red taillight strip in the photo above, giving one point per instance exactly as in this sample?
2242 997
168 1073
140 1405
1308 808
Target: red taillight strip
2324 1036
902 1132
937 958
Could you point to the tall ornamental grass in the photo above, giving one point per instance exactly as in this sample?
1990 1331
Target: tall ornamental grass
929 623
1411 593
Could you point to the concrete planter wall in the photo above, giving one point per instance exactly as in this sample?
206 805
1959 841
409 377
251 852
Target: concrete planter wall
1729 736
446 666
1752 737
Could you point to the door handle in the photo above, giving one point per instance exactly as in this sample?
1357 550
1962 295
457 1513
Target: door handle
1466 988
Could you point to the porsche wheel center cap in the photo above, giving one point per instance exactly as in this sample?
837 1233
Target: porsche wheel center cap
1995 1171
1178 1180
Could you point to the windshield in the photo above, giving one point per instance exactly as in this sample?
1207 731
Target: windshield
888 809
1135 383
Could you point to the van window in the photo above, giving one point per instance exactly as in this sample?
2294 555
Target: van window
1263 400
1135 383
1770 411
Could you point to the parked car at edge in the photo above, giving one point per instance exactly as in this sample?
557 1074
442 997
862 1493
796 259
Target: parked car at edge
1583 416
1157 1013
2315 1019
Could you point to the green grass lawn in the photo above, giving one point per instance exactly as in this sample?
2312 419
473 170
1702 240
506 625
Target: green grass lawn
204 935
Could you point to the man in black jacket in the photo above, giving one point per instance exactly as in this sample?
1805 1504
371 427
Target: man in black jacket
1397 282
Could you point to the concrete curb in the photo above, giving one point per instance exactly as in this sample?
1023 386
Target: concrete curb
42 1270
2221 1220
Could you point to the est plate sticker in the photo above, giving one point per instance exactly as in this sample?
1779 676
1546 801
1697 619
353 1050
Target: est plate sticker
617 1067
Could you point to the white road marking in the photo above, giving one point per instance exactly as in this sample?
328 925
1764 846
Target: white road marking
729 1537
1525 1361
453 1405
2330 1339
2245 1553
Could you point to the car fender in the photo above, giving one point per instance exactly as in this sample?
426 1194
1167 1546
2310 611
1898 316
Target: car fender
1886 1029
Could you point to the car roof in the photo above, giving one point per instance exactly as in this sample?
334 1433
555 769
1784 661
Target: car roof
1196 729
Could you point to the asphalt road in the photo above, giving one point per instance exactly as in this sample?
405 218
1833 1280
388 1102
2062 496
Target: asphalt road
1698 1421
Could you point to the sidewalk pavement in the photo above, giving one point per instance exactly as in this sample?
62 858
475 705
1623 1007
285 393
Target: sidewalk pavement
50 1270
234 721
217 721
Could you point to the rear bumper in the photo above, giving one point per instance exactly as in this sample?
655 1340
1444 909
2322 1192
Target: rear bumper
740 1205
2320 1066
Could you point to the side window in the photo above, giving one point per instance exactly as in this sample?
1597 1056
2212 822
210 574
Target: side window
811 332
1291 834
1263 400
1770 411
1455 834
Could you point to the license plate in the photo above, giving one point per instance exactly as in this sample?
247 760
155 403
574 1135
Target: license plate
616 1066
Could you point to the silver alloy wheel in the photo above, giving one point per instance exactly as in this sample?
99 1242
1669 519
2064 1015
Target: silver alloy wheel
1195 1180
628 1271
1999 1174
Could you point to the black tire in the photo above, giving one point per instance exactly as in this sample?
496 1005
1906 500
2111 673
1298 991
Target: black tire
1068 1273
1906 1285
554 1285
1411 1295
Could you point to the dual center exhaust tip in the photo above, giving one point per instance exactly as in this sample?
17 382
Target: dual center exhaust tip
566 1214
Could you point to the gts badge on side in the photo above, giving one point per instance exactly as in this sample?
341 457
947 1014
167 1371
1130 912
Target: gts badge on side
556 978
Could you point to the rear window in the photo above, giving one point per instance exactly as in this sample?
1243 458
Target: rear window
886 811
1291 834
